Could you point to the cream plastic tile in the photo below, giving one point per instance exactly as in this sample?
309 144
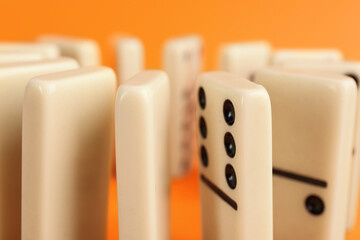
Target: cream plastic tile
244 58
85 51
49 51
129 57
20 56
235 167
67 145
182 59
143 177
13 79
351 69
282 56
313 116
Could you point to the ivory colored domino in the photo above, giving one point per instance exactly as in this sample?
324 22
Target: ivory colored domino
143 178
245 58
13 79
129 56
303 55
49 51
182 61
351 69
313 127
19 56
234 140
85 51
67 141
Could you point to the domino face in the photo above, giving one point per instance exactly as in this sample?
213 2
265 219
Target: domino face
143 178
245 58
182 62
130 57
19 56
234 144
48 51
67 141
85 51
313 122
283 56
13 79
351 69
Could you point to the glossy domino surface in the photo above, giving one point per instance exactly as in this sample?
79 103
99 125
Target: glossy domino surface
313 116
67 145
13 80
142 166
234 145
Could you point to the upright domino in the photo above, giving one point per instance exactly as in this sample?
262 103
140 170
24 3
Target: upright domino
19 56
351 69
129 57
13 79
234 117
85 51
48 50
143 178
313 122
67 141
304 55
182 62
245 58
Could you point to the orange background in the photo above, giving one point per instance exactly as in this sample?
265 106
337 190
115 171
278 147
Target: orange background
285 23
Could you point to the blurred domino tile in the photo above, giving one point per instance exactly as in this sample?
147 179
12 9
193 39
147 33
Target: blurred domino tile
48 50
182 61
20 56
85 51
283 56
245 58
129 57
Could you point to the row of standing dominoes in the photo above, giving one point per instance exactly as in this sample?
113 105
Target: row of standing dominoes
56 139
313 120
314 105
56 133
